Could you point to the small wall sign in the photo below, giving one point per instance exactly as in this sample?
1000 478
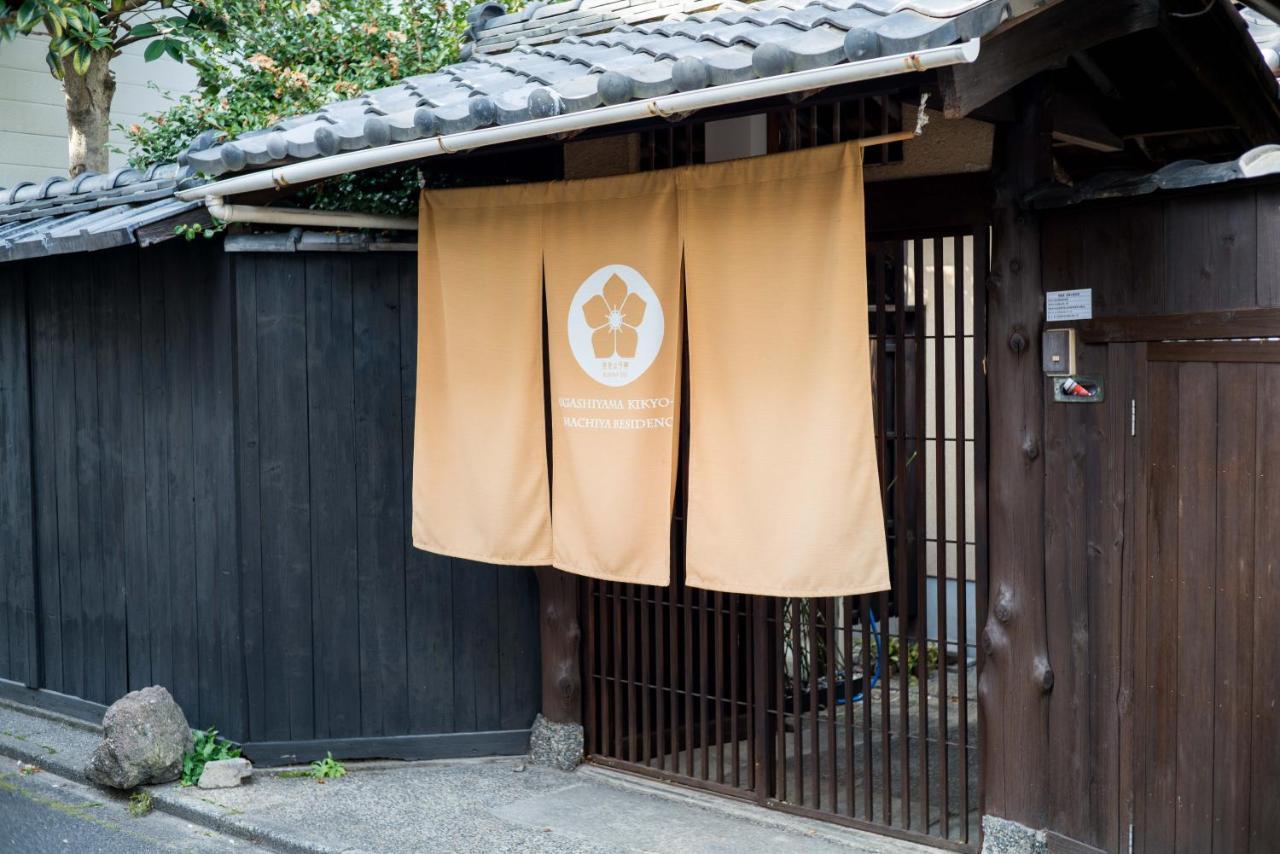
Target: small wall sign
1068 305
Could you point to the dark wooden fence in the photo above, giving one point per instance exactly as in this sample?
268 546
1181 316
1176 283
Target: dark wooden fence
1074 710
204 464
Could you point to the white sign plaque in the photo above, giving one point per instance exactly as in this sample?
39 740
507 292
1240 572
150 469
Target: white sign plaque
1068 305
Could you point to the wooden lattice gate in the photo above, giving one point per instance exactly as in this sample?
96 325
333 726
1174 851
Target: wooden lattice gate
861 709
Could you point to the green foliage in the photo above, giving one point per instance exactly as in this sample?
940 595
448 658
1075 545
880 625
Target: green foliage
208 748
913 656
192 230
140 803
279 58
327 769
80 29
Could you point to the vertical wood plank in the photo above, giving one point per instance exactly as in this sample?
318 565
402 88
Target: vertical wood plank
213 539
1108 449
41 310
1071 465
1135 701
1267 205
1160 692
475 682
1195 624
64 389
1237 457
1264 743
285 493
519 671
14 434
428 577
901 521
231 706
156 441
112 279
337 632
132 450
919 449
940 381
244 272
19 656
180 485
962 412
380 502
88 481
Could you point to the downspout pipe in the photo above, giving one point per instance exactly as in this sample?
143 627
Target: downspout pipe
219 209
663 106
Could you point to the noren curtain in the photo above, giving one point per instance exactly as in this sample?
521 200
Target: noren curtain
480 481
612 255
784 497
784 494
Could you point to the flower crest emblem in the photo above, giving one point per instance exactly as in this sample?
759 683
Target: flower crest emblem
613 316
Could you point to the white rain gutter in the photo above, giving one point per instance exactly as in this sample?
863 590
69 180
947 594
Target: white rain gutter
219 209
663 105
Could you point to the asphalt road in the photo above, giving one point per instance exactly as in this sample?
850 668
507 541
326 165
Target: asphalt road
43 813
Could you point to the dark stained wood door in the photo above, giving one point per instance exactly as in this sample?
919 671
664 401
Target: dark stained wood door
1207 722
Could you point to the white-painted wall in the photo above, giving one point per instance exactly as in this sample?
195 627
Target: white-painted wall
33 124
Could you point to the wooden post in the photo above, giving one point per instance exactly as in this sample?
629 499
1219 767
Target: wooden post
1017 677
561 633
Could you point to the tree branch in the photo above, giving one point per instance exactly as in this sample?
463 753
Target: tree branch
128 40
125 7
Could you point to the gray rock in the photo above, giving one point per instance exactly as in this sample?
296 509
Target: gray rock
225 773
1001 836
555 745
144 735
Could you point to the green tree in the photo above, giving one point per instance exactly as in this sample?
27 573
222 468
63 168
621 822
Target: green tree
279 58
84 37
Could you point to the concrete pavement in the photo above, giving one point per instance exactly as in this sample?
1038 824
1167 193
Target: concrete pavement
472 806
40 813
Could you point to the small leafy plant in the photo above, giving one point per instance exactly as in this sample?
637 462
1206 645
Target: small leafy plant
192 230
208 748
327 769
913 657
140 803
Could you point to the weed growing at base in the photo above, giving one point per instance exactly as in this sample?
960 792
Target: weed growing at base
208 748
140 803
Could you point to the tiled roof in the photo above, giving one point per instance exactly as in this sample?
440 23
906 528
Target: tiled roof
551 59
91 211
1265 33
1260 162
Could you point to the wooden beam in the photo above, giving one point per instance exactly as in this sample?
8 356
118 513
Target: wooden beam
560 633
1013 693
1215 351
158 232
1237 323
441 745
1038 41
1059 844
913 205
52 701
1077 122
1214 43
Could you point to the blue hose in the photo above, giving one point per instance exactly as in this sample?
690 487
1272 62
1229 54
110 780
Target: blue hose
875 676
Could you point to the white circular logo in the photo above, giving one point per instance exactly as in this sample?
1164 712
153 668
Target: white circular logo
615 325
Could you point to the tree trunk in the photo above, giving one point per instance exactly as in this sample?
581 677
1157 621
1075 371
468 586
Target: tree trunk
89 113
